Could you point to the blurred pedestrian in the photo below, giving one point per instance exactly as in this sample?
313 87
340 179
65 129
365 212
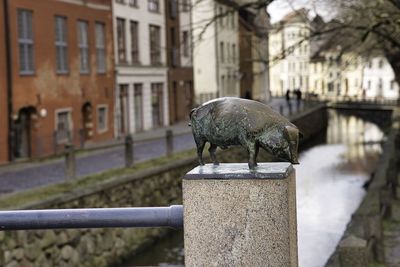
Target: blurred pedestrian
287 95
288 101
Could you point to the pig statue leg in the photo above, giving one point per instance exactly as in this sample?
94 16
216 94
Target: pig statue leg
252 149
212 150
200 146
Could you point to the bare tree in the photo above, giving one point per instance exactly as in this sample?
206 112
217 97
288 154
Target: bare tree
369 27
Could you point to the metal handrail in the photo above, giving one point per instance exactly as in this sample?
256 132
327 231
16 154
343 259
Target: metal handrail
171 216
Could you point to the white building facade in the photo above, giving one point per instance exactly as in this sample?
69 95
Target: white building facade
215 51
321 67
141 74
379 79
290 54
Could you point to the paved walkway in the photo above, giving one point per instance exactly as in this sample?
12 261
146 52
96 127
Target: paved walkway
148 145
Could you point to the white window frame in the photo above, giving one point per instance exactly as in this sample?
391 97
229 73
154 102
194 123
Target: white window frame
153 5
101 63
105 129
83 45
62 110
61 44
25 42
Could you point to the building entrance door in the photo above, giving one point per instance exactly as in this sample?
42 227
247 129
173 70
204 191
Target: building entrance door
23 133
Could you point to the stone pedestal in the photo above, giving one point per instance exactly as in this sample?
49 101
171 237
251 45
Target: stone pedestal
236 217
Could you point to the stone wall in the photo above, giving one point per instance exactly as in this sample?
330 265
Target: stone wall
381 203
311 122
158 186
96 247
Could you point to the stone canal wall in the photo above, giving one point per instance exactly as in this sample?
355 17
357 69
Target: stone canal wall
160 186
363 242
155 186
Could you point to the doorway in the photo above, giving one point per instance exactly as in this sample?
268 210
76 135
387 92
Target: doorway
23 133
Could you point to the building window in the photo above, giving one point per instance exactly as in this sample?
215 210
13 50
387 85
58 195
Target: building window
61 44
133 3
25 41
63 126
123 119
370 64
174 52
380 64
221 45
185 37
380 84
228 53
223 85
157 104
234 53
153 5
83 44
173 8
134 42
100 47
392 84
102 118
155 39
121 40
233 20
221 18
369 85
120 1
138 98
185 5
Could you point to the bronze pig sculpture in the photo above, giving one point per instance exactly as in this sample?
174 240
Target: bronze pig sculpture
230 121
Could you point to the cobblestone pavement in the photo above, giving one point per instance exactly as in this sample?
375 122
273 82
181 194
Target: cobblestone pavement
24 176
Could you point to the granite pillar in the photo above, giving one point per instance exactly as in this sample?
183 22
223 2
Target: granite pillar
237 217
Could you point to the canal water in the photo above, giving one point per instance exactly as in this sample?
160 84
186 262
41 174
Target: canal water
330 185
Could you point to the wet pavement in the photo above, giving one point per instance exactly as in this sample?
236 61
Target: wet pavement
20 177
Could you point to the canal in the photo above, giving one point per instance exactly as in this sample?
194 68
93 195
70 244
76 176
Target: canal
333 171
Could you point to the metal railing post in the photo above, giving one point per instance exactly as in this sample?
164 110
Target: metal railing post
70 163
237 217
129 153
169 142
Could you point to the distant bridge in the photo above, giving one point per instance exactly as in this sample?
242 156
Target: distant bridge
361 103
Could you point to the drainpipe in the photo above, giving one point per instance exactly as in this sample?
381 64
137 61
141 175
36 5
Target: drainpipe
219 85
8 71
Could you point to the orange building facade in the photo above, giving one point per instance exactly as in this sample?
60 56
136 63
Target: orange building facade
62 75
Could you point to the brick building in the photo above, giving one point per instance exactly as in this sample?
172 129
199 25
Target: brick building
3 91
179 59
62 74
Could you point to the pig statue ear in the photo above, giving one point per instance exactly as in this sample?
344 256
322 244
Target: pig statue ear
293 132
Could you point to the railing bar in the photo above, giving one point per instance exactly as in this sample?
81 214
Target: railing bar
92 218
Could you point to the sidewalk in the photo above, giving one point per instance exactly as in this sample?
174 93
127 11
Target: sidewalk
104 156
177 129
